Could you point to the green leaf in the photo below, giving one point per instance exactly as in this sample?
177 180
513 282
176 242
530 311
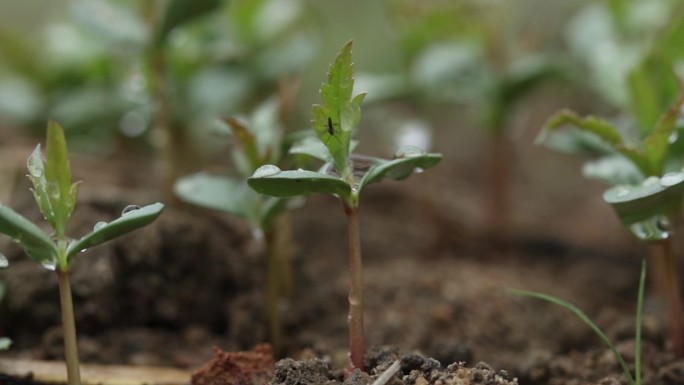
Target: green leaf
657 144
128 222
599 127
408 160
32 239
60 190
335 119
312 147
218 192
270 180
179 12
604 131
648 209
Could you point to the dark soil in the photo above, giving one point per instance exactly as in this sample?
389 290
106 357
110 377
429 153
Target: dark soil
435 278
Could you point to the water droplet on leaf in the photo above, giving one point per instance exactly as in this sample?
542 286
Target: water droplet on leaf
49 265
673 137
650 180
671 179
656 228
266 170
130 208
99 225
408 152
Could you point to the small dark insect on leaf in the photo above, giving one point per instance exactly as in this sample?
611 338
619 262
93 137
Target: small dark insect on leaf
331 131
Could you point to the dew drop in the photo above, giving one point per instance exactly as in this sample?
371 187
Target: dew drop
408 152
99 225
129 209
656 228
49 265
266 170
671 179
673 137
4 263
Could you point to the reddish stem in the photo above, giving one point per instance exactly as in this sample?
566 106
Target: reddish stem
668 271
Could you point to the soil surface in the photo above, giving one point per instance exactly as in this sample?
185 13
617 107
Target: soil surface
435 275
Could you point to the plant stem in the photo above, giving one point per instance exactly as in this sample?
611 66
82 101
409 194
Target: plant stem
672 295
499 208
356 333
69 328
274 291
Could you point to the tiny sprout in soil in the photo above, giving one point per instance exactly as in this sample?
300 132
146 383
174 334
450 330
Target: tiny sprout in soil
55 194
344 175
633 380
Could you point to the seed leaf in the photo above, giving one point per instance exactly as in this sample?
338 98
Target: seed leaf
605 131
32 239
218 192
286 184
654 197
401 168
125 224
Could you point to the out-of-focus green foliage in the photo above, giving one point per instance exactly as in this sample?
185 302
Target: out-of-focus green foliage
257 141
92 71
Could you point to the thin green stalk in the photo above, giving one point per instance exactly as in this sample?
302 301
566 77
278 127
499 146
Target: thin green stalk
356 332
639 314
580 314
69 328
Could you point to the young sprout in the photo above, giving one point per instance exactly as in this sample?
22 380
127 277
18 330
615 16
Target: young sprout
257 141
344 175
632 380
648 191
56 197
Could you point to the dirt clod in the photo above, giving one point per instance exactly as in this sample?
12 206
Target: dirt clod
253 367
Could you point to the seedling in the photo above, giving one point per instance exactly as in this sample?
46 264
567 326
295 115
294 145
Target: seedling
343 175
56 197
633 380
257 141
648 191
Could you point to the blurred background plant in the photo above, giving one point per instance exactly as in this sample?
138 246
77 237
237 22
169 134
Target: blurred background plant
151 74
257 140
636 67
